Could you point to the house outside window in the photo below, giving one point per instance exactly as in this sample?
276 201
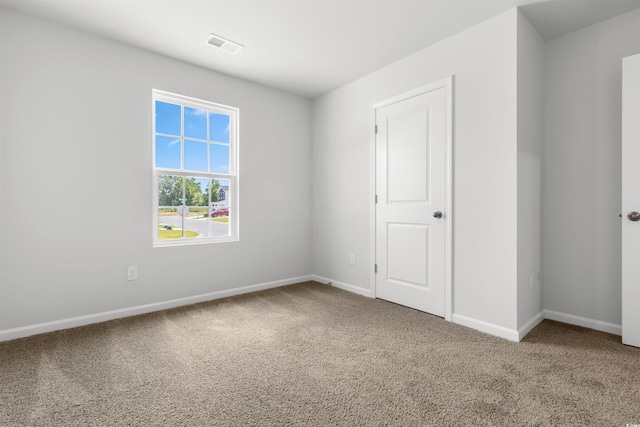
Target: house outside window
222 193
195 178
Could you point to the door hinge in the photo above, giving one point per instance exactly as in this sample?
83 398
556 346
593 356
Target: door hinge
376 130
375 268
376 199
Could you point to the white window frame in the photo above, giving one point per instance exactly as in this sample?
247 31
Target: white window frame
232 176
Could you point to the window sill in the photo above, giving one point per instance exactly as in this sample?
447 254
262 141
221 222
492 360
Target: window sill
194 241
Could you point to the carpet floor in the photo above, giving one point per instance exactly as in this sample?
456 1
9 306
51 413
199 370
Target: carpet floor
313 355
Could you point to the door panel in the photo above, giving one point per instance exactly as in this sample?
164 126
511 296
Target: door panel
408 156
411 187
408 248
631 201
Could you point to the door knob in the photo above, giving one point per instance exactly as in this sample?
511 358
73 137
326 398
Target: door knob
632 216
438 215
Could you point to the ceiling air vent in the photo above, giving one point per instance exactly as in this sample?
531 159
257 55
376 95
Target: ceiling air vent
224 44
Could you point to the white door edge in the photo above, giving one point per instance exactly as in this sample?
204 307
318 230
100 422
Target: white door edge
630 202
446 83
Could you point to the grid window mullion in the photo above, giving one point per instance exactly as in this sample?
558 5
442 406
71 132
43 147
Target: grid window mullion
182 137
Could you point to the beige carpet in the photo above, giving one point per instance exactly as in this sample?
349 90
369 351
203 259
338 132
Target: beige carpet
313 355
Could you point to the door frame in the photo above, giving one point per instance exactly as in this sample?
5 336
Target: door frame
447 84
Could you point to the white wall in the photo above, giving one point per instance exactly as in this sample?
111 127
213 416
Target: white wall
75 179
582 190
483 60
530 143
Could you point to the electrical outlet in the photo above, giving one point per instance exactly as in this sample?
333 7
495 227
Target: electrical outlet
132 272
352 259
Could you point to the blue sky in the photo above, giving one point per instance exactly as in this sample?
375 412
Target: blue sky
168 148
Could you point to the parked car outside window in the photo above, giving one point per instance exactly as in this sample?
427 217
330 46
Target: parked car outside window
219 212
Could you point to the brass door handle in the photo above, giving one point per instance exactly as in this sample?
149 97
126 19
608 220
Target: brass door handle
633 216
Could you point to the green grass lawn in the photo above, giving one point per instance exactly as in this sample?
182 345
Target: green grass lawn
173 234
220 219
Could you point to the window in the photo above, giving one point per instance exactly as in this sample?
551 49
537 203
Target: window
195 181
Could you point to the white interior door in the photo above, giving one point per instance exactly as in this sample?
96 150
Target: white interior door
411 208
631 201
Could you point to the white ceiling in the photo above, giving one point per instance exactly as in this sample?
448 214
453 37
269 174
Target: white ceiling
307 47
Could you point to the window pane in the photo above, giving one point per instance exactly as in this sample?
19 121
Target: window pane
170 190
169 224
167 118
194 227
196 221
196 191
220 208
220 221
167 152
219 127
220 195
195 123
220 192
195 155
219 158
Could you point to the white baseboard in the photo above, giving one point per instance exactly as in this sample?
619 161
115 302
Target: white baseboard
487 328
499 331
40 328
532 323
585 322
518 335
343 286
